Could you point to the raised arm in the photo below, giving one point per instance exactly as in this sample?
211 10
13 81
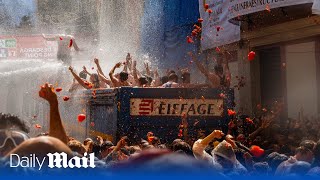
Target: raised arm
75 45
56 128
200 145
85 70
54 38
80 81
157 81
73 85
266 120
226 69
96 61
148 71
114 80
202 69
135 72
104 79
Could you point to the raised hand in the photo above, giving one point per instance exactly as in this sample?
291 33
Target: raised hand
118 64
85 69
47 92
266 120
96 60
218 134
70 69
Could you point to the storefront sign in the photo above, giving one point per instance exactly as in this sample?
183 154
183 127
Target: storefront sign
216 28
243 7
176 107
26 47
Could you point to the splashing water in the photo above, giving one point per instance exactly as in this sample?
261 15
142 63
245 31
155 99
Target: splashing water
107 30
20 83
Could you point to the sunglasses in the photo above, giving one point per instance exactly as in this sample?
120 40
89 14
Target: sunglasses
16 137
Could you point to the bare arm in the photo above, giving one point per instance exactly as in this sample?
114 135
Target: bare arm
80 81
75 45
215 134
85 70
134 72
226 69
56 127
146 65
73 86
114 80
213 78
104 79
200 145
54 38
157 81
202 69
96 61
265 123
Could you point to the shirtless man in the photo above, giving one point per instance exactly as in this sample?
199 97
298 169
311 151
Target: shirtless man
123 79
65 43
221 76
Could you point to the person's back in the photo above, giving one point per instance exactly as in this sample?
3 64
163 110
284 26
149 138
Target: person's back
303 153
64 51
65 43
172 83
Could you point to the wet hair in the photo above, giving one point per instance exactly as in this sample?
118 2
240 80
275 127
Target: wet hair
83 75
149 79
106 144
134 149
182 147
8 121
173 77
124 76
164 79
125 151
185 77
172 72
76 146
96 149
143 80
218 69
306 146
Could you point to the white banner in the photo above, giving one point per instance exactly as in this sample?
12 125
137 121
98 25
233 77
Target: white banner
216 28
176 107
242 7
316 7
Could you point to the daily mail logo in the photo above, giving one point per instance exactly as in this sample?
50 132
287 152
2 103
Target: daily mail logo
54 160
176 107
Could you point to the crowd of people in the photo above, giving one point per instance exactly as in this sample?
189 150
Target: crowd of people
259 146
132 77
264 145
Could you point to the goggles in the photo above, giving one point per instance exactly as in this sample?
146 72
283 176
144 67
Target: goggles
15 136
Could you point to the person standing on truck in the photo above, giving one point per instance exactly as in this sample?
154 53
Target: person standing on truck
221 76
65 43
